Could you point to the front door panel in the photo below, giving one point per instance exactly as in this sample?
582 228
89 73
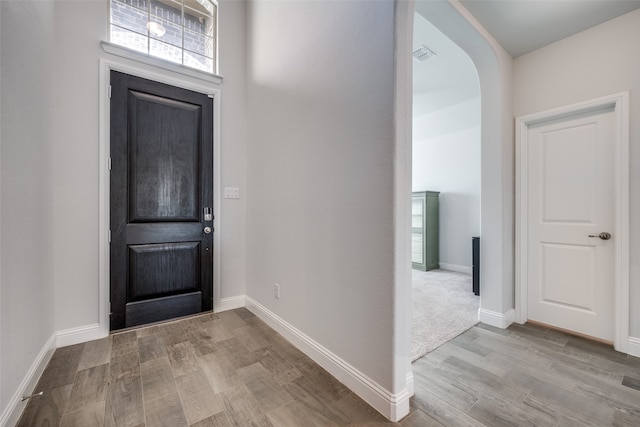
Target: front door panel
161 184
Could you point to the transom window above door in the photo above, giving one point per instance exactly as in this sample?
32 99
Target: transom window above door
180 31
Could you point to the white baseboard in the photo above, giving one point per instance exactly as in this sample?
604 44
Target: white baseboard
410 383
78 335
230 303
456 268
633 346
493 318
12 412
394 406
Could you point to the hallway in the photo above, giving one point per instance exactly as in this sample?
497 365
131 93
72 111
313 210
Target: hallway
231 369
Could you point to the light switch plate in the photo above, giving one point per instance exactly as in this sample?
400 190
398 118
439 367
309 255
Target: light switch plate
231 193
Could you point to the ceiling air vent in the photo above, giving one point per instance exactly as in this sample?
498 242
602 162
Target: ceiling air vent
423 53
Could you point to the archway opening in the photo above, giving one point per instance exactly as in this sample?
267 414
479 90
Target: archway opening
445 212
493 66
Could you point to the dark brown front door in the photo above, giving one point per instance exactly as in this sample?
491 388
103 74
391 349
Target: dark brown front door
161 201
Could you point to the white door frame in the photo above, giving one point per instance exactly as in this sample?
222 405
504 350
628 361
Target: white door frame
106 65
620 104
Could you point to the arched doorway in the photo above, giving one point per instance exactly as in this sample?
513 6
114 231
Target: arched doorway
445 166
497 213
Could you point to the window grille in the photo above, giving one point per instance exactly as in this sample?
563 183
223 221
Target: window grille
180 31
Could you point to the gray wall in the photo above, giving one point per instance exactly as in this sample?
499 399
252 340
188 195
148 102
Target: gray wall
446 158
320 173
26 187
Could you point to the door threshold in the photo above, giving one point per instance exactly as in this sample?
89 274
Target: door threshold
161 322
570 332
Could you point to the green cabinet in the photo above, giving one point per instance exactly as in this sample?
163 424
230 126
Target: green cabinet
424 230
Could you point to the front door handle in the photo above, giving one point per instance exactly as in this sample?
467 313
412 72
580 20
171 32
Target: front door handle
207 230
604 235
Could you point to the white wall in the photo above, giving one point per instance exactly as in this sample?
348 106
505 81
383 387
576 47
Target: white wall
448 120
320 174
26 146
600 61
446 158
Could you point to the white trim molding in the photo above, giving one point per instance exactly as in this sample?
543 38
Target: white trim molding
391 405
410 383
171 77
633 346
126 53
79 335
457 268
496 319
13 410
231 303
620 104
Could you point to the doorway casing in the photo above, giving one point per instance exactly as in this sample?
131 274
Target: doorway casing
620 104
106 66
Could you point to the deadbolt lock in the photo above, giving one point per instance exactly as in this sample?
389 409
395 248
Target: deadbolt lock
208 215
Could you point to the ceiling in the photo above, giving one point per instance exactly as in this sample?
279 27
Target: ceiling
446 79
520 26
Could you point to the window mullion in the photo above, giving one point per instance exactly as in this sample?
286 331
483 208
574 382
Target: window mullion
148 32
182 21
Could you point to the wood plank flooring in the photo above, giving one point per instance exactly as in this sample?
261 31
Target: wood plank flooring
226 369
527 375
231 369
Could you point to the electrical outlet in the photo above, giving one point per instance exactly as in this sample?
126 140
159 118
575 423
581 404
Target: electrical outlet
276 290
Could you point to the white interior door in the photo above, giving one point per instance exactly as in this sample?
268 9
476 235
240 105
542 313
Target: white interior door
570 274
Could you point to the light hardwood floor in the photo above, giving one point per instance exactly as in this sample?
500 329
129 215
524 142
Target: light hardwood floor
230 369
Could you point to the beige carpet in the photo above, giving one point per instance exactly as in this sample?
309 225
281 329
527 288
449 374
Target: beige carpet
444 306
